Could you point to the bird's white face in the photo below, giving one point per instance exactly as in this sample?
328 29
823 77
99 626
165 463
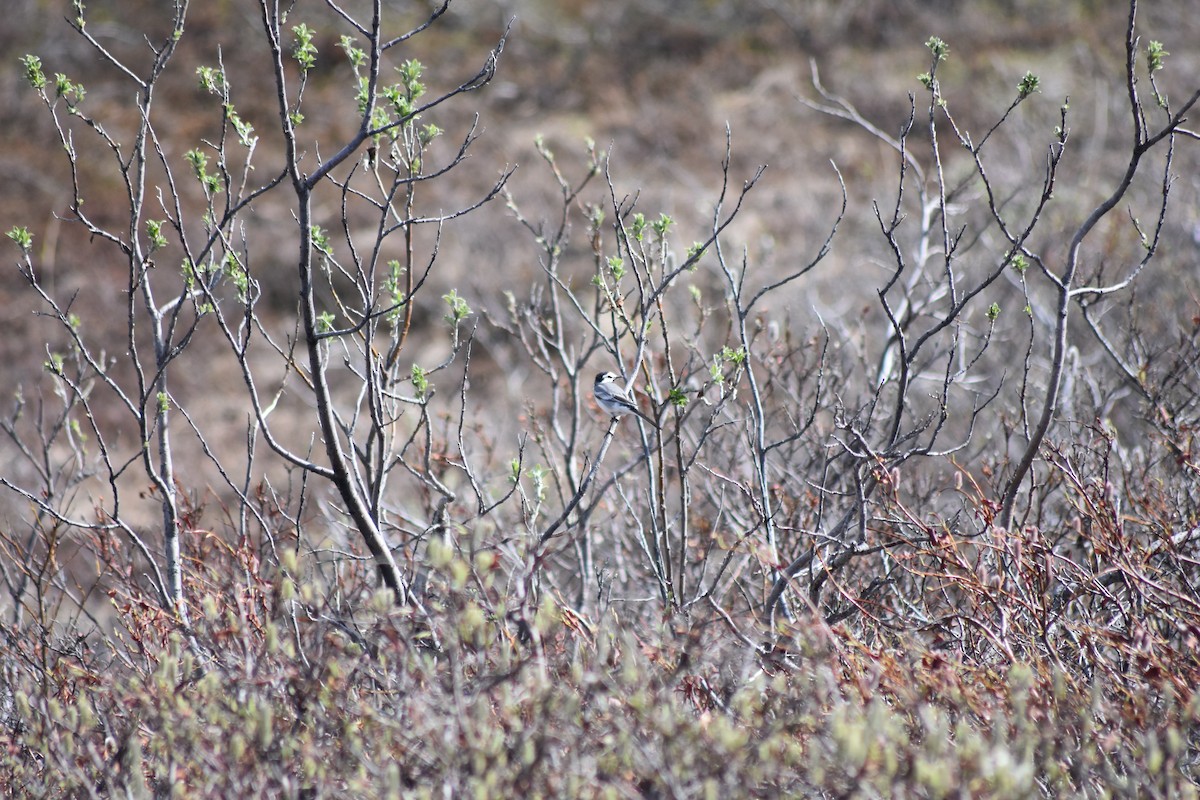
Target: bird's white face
611 396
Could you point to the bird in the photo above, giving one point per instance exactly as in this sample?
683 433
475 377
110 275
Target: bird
612 398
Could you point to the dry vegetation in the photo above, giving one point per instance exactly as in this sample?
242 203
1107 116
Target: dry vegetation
306 495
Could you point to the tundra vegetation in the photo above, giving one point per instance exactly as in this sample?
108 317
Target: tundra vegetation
311 500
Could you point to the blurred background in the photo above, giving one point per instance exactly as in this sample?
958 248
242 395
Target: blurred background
655 83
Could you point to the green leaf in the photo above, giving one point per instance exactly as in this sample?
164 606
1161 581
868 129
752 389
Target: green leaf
320 239
715 371
1028 85
736 357
538 474
54 364
1156 54
71 92
938 47
411 72
357 56
212 80
459 310
393 287
304 51
199 161
616 266
244 130
154 231
429 133
237 275
22 237
420 380
639 225
33 72
662 225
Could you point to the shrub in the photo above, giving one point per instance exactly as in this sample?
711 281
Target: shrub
902 555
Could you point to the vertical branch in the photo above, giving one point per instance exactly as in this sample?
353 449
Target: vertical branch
1142 144
342 476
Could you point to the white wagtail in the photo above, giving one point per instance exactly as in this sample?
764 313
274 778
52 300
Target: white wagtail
612 398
